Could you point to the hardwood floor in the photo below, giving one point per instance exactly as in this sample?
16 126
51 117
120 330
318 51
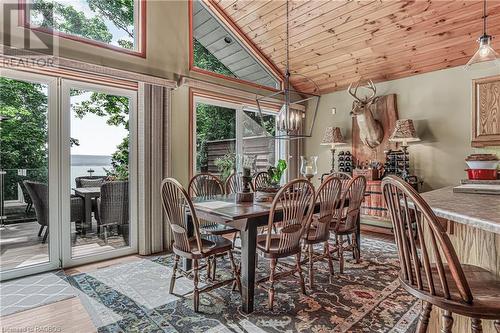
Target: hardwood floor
64 316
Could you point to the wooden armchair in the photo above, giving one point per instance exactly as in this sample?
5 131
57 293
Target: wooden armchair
176 203
430 269
318 232
295 204
234 184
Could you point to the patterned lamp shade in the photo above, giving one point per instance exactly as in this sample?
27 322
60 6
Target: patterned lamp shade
404 132
333 137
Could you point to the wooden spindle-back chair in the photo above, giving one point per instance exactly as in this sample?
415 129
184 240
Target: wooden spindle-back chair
345 220
234 184
328 196
430 268
292 206
260 180
209 186
176 204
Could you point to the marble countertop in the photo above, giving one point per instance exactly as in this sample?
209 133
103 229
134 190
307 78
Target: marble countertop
477 210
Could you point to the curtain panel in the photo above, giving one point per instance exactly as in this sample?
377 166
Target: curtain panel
154 156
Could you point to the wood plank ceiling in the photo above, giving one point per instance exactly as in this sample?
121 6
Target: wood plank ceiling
337 42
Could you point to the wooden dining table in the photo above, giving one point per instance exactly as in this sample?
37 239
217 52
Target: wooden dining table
247 218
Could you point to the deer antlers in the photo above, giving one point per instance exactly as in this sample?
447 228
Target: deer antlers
366 99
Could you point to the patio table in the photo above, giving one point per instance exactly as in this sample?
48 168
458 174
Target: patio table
246 217
88 193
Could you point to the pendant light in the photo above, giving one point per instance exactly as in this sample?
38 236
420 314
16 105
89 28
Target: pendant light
290 119
485 51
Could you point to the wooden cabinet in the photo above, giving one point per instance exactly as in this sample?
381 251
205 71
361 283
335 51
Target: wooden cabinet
486 112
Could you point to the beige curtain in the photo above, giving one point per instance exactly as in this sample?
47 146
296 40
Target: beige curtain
153 165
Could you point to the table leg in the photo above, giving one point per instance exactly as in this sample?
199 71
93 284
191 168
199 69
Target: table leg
248 253
88 214
187 264
358 234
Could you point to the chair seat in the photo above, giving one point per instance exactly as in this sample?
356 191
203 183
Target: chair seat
217 229
211 245
274 248
485 288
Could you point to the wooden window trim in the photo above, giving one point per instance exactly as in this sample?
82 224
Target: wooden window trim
141 52
251 47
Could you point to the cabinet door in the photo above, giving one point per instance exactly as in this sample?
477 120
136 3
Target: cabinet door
486 112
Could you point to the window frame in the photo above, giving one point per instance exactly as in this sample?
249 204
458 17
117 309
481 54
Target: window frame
217 99
140 38
246 43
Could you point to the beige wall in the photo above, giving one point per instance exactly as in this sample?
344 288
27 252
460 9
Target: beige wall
438 102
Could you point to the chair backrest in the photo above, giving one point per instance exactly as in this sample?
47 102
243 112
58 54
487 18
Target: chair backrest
410 216
352 196
234 184
343 176
114 206
260 180
205 185
89 181
39 194
176 203
328 196
296 202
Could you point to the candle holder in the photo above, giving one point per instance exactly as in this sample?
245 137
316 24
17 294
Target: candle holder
309 166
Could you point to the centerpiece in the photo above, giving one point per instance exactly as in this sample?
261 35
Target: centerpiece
272 180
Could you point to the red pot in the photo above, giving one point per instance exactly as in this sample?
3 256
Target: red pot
482 174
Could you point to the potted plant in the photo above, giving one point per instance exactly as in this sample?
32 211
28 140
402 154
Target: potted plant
273 179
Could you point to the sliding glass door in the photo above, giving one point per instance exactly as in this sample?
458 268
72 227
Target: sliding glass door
98 187
28 174
67 173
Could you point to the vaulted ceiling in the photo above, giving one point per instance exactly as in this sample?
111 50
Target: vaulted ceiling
337 42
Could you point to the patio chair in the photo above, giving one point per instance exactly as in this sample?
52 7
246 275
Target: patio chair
89 181
39 194
113 207
26 196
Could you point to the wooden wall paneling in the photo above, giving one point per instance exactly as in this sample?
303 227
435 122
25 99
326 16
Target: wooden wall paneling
486 112
334 42
399 41
325 42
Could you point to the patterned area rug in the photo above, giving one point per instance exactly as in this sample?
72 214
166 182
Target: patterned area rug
134 297
34 291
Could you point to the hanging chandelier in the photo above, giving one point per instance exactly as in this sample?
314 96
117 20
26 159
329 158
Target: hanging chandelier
291 116
485 51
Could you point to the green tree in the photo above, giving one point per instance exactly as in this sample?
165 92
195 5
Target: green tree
23 133
212 123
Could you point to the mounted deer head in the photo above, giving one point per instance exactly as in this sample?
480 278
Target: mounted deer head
370 130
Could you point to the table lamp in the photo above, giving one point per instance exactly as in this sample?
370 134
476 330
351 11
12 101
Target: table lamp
333 138
404 132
